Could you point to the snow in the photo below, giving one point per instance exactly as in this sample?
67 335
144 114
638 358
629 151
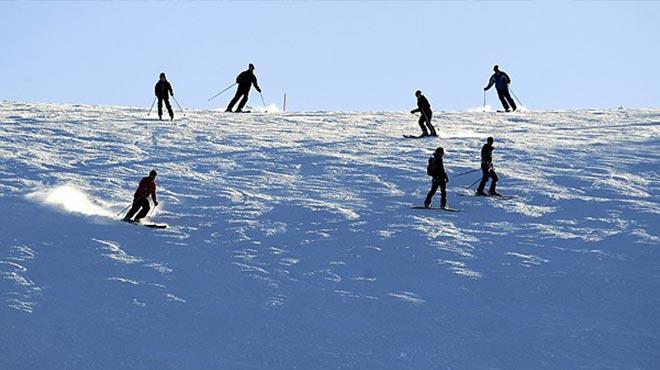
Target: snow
292 245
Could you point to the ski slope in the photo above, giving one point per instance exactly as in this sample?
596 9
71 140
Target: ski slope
292 245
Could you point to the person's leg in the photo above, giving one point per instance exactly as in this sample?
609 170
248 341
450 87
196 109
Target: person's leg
422 125
484 179
434 187
443 193
131 212
512 103
493 182
500 94
244 101
169 107
233 101
144 203
160 107
429 117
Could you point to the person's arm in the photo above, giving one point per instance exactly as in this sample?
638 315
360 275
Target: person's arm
256 85
490 83
169 87
415 110
153 194
156 89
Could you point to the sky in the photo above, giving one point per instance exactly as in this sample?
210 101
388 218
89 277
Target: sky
334 56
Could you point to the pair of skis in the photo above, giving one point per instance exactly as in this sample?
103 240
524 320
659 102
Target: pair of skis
149 225
418 136
449 209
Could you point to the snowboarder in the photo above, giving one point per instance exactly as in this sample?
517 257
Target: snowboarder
140 202
436 169
487 169
424 107
245 80
502 81
163 92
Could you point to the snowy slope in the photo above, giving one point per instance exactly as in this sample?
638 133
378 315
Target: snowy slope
292 245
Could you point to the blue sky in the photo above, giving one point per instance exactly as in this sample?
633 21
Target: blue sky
365 56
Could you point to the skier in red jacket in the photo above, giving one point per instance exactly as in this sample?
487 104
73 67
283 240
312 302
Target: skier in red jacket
140 202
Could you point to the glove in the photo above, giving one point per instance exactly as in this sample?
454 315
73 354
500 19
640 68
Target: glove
155 203
259 90
412 111
485 89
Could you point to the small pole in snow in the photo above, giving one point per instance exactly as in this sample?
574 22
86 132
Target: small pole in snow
284 105
484 101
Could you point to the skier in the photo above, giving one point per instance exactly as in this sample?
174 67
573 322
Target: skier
245 80
487 169
502 81
436 169
140 202
424 107
163 91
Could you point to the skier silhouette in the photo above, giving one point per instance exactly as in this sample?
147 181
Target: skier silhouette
140 202
424 107
245 80
163 91
488 172
436 169
501 81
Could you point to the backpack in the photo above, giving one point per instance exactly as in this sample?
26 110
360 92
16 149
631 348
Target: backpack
431 168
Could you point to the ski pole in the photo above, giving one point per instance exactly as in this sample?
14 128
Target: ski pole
177 104
218 94
263 101
474 183
151 211
484 100
152 106
466 173
124 210
514 95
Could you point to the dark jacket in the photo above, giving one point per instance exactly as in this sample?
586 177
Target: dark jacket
163 89
423 106
500 79
246 79
487 154
436 168
147 187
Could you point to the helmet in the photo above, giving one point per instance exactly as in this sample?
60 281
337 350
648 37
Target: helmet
162 75
153 173
250 66
418 92
440 151
496 68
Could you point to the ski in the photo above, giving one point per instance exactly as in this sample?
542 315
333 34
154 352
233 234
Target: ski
153 226
446 209
149 225
417 136
500 197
